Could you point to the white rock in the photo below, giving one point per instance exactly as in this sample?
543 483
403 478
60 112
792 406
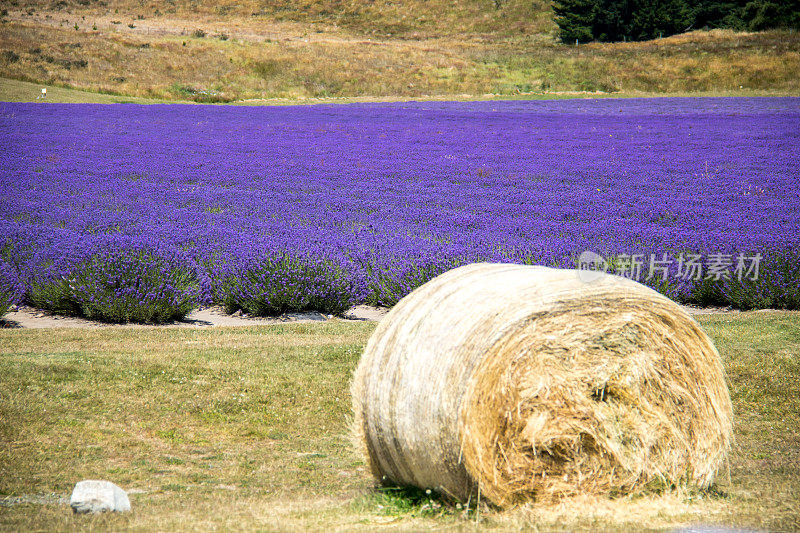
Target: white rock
93 496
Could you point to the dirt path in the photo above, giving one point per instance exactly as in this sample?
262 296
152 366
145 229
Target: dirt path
28 317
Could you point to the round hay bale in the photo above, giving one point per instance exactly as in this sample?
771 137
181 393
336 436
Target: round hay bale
521 383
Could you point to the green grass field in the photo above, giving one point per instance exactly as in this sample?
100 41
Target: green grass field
247 429
23 91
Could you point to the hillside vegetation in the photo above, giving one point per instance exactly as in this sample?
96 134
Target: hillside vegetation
401 18
224 51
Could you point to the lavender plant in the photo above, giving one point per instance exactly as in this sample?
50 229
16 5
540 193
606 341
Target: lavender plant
272 209
776 286
10 287
275 283
114 279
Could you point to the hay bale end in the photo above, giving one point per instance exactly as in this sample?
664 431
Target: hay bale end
525 383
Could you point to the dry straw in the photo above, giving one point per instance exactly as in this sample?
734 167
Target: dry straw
524 383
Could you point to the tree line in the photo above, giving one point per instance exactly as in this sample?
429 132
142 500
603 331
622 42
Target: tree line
639 20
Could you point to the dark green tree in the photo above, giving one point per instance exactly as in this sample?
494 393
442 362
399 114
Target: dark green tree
576 19
616 20
769 14
754 15
612 20
658 18
637 20
719 14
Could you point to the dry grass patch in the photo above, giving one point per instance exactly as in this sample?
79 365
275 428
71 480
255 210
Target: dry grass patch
166 412
23 91
207 58
246 428
411 18
218 71
719 61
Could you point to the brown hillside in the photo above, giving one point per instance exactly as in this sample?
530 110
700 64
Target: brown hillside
219 52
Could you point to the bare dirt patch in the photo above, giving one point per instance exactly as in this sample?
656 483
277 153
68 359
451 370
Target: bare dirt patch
31 318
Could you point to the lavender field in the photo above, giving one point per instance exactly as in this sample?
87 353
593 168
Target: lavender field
141 213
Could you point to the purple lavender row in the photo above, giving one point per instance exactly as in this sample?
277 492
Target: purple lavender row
140 212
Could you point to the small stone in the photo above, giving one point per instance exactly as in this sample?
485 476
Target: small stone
94 496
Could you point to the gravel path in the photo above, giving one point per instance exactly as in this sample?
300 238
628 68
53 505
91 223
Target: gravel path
28 317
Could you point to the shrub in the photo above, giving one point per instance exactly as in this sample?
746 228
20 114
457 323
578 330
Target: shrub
10 287
277 283
206 96
705 292
116 280
388 283
267 68
9 56
777 284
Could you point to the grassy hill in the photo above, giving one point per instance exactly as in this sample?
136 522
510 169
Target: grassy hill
225 51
